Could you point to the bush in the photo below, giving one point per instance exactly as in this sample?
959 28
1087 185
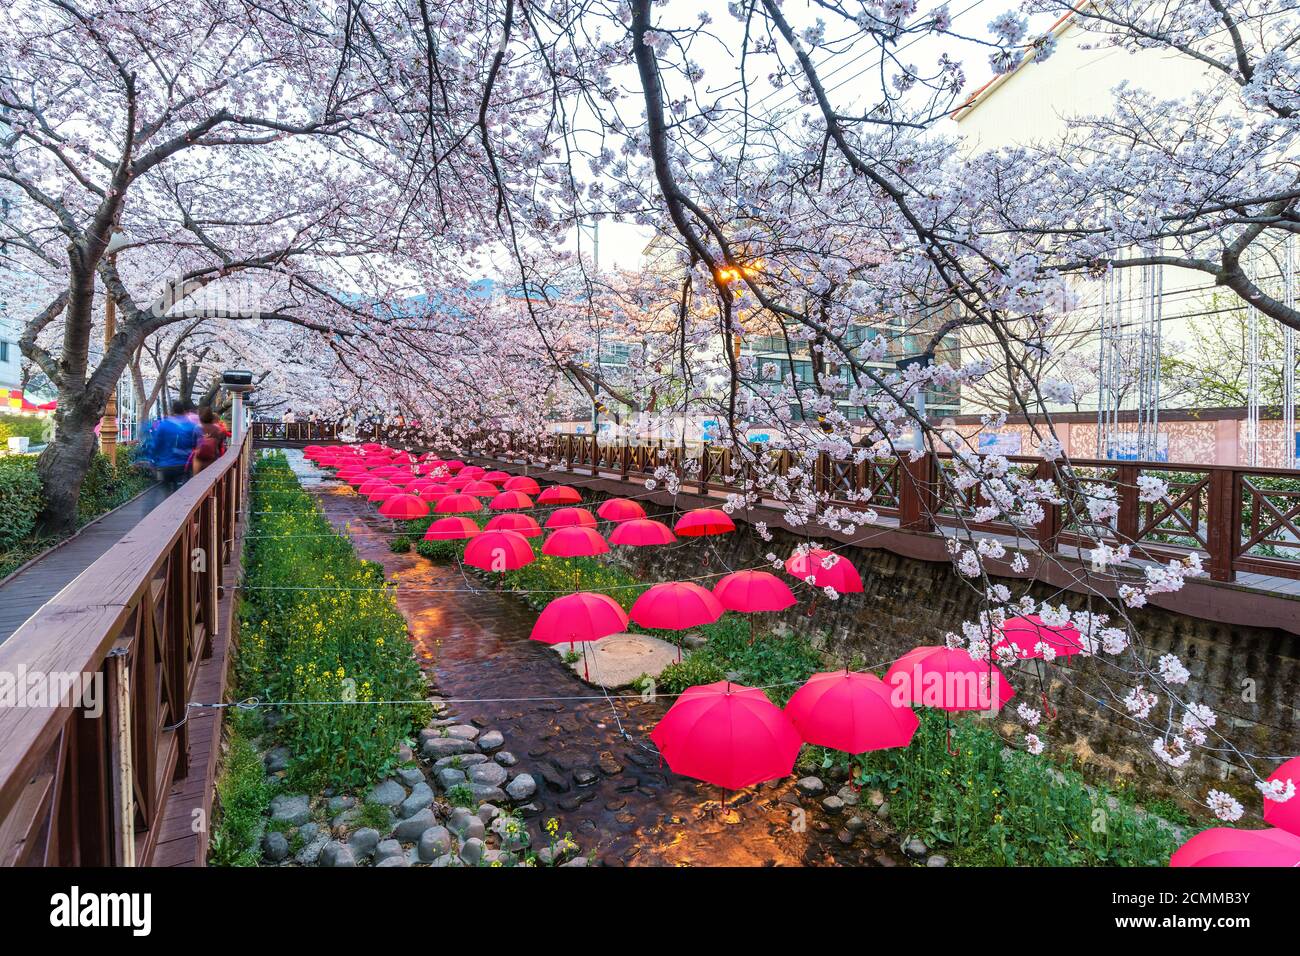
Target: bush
24 426
242 796
20 499
106 487
339 638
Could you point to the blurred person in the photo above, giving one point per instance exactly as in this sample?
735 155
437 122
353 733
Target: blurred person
175 439
213 439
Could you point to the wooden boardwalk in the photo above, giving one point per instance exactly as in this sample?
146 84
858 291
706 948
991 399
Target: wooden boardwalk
22 594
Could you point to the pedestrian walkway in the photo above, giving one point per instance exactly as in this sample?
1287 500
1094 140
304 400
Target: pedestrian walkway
22 594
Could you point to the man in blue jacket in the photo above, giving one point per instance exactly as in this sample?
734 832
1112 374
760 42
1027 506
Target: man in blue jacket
174 441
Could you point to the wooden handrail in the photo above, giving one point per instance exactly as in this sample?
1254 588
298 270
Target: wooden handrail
92 790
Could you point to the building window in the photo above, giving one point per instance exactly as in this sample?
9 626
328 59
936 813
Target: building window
4 351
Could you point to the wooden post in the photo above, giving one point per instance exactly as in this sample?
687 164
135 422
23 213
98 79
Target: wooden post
1049 529
1223 522
1126 524
122 791
916 493
108 424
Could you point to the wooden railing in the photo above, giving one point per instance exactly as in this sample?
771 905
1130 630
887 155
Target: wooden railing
1239 519
79 787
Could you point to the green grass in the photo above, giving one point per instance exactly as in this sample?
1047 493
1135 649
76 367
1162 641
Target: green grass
243 795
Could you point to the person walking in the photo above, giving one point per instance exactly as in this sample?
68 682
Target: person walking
174 442
212 442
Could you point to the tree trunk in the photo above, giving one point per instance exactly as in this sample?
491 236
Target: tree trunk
62 468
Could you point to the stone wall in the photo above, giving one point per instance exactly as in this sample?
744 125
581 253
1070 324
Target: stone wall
1250 676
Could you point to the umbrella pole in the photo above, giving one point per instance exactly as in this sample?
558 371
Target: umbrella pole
1048 710
947 723
586 672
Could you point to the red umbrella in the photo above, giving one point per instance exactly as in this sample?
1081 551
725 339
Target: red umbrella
640 532
473 471
524 524
496 477
499 551
404 507
507 500
841 575
1024 634
753 591
948 678
389 471
620 509
455 464
579 617
1285 815
426 488
703 521
458 504
384 493
521 483
1225 846
728 735
452 528
850 712
372 484
559 495
571 517
480 489
574 542
676 606
459 482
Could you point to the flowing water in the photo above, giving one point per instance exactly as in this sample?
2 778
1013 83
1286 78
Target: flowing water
609 790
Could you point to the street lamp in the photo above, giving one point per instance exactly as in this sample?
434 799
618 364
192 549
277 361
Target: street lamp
238 382
108 424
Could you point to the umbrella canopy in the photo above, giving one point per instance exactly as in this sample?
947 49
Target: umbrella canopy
727 735
753 591
579 617
570 518
1024 634
458 504
620 509
640 532
510 500
426 488
521 483
372 483
703 521
850 712
404 507
524 524
496 477
452 528
948 678
1285 815
384 493
473 471
459 482
499 551
389 471
574 542
559 495
1225 846
454 464
841 575
480 489
675 606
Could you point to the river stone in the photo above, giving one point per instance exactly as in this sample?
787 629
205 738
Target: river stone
275 846
388 849
445 860
833 805
529 810
337 854
811 786
937 860
294 810
576 861
445 747
421 797
506 758
487 813
448 777
584 777
484 793
389 793
463 731
491 740
411 776
553 778
409 830
490 774
460 761
390 861
276 759
521 788
337 805
471 851
310 853
914 847
433 843
363 842
466 825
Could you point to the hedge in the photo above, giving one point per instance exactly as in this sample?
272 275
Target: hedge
20 499
24 426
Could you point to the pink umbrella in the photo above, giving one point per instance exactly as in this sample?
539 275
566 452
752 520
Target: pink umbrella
496 477
521 483
728 735
640 532
840 575
507 500
704 521
524 524
850 712
571 517
480 489
1024 634
452 528
948 678
753 591
579 617
404 508
499 551
458 504
1285 815
620 509
559 495
384 493
472 471
676 606
454 464
574 542
372 484
1225 846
